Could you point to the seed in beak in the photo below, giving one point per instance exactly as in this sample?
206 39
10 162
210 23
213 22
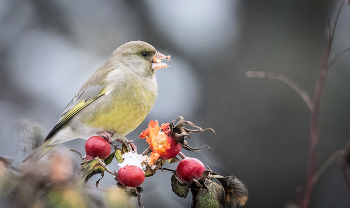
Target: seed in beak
156 61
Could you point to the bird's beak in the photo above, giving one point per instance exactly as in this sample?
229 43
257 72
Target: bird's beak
156 61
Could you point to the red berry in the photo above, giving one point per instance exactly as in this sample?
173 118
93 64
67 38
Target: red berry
174 149
97 147
131 176
188 169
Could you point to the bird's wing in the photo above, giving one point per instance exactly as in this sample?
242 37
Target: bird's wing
79 101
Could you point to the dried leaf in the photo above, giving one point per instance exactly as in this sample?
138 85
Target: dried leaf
88 169
236 191
98 181
179 189
183 132
179 132
173 160
118 155
189 148
149 171
213 196
139 190
109 159
205 175
124 148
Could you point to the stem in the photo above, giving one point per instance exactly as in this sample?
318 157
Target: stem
168 169
346 161
303 94
338 56
314 122
105 167
76 151
346 178
182 155
336 19
330 160
314 128
147 151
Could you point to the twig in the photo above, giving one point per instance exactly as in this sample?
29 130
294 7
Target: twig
346 177
105 167
168 169
345 165
303 94
324 167
147 151
182 155
338 56
328 23
76 151
336 19
314 130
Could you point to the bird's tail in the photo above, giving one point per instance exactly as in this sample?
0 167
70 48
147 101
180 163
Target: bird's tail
40 152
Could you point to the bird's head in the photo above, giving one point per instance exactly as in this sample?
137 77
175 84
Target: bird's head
141 57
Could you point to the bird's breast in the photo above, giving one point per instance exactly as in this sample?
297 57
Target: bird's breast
122 110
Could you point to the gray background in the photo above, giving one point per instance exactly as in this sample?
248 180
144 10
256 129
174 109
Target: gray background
49 48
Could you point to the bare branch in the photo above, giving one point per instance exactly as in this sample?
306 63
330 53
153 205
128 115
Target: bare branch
314 124
76 151
169 169
147 151
337 56
303 94
328 24
336 155
105 167
346 177
336 19
182 155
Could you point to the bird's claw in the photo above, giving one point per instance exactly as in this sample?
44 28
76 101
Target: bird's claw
129 144
107 135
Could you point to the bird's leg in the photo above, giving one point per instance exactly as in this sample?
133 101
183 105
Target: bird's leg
128 143
107 135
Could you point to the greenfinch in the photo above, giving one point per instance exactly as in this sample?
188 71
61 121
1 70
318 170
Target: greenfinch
113 101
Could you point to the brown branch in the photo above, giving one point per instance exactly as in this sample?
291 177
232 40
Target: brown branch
303 94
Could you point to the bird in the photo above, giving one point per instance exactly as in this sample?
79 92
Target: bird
113 101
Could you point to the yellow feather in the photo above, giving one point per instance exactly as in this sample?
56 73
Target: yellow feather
124 112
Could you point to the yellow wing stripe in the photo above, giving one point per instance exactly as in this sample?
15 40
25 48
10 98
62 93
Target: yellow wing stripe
70 114
76 109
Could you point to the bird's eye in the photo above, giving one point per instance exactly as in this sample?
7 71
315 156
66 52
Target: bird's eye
144 53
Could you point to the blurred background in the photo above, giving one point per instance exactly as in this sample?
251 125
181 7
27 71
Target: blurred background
49 48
